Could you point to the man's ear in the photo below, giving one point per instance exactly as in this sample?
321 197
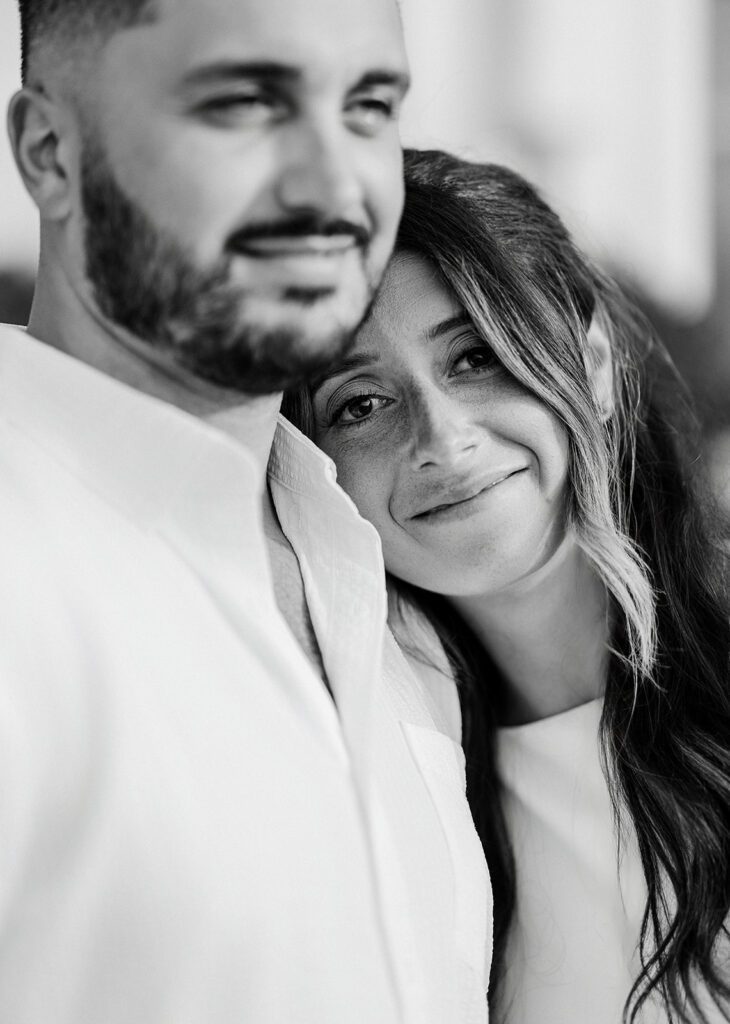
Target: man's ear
35 127
599 365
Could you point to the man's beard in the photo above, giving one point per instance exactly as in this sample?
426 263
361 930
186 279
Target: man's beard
145 282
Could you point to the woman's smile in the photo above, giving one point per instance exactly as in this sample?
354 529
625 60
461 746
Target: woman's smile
464 500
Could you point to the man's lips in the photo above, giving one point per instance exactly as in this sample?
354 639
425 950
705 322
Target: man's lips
462 492
300 237
296 245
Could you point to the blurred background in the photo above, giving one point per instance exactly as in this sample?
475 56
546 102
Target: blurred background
618 109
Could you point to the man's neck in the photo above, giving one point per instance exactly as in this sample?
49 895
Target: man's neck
58 319
548 634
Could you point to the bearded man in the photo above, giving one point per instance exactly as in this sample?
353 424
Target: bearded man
225 796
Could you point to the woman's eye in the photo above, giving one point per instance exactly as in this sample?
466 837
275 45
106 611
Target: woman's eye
355 410
476 358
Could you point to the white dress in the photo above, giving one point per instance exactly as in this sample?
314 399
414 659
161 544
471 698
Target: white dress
573 955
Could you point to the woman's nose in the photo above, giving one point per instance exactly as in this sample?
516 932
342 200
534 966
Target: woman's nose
444 430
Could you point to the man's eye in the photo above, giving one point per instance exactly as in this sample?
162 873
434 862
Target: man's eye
355 410
251 108
369 114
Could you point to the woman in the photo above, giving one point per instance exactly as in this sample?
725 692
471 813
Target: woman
502 421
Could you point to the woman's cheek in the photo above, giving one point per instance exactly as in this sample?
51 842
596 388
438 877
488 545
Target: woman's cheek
528 422
366 481
365 471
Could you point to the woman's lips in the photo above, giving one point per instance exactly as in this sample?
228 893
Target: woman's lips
459 497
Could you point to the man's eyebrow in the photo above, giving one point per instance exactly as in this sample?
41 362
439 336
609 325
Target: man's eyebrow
451 323
225 70
399 80
353 362
274 71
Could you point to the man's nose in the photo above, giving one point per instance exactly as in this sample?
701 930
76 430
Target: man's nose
319 172
444 431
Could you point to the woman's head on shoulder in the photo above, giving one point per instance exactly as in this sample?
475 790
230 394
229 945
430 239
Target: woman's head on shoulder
491 402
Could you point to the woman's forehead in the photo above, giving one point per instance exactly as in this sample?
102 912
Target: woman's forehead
413 300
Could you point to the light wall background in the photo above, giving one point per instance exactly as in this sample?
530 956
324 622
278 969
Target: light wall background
607 104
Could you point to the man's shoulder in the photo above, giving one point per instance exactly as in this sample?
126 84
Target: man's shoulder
46 514
27 501
12 331
26 469
20 467
16 345
21 360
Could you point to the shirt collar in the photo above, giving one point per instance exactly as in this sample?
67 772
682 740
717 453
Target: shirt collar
341 563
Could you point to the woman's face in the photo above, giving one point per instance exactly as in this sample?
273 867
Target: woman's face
460 469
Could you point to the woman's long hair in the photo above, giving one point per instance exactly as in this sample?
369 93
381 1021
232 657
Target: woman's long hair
634 509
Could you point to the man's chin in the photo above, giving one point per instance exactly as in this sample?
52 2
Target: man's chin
267 360
288 344
318 315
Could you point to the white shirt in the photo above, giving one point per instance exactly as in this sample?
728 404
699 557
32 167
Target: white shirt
572 956
192 832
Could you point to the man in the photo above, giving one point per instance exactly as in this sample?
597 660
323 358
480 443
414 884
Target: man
224 795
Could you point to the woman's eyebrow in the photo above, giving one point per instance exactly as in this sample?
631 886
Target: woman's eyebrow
352 362
451 323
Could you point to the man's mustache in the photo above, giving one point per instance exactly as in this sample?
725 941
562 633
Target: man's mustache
299 227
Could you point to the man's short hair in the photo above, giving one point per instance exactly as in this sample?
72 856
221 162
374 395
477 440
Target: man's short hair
74 20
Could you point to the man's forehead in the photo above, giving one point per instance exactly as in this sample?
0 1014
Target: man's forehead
297 32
